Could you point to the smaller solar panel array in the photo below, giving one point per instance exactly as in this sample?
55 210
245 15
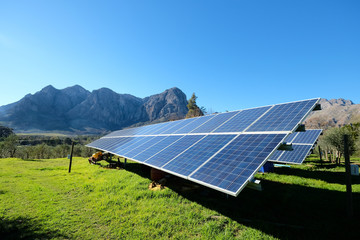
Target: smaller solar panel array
302 143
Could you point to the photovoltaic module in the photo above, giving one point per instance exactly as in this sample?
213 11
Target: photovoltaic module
221 151
302 143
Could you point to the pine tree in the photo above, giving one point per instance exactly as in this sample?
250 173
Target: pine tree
194 110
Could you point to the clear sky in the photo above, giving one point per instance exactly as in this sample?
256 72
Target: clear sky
232 54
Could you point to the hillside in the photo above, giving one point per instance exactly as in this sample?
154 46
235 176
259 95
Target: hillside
75 109
334 113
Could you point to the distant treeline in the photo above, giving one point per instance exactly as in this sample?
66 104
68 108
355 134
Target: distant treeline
42 147
32 140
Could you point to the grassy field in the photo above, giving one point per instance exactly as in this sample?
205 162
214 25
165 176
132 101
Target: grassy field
39 199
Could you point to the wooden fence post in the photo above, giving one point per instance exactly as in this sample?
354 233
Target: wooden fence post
71 154
349 199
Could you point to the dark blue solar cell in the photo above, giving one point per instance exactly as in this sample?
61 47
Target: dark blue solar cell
124 132
144 130
194 124
192 158
179 124
237 162
120 149
276 155
138 144
115 142
147 153
165 126
307 137
283 117
156 128
139 148
106 143
214 122
95 143
297 155
291 137
168 153
242 120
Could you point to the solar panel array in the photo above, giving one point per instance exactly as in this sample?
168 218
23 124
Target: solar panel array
302 143
222 151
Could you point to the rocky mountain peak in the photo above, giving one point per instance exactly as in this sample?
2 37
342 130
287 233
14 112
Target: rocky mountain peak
335 102
170 104
76 89
48 88
334 113
76 109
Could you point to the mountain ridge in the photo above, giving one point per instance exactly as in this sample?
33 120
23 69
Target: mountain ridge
334 113
75 109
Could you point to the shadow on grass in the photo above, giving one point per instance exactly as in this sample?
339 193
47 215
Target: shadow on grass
33 160
139 169
23 228
284 211
329 177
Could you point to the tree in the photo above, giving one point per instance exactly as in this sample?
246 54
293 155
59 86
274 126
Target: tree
9 146
41 151
194 110
333 141
203 109
5 132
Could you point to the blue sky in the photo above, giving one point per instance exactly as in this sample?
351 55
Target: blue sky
232 54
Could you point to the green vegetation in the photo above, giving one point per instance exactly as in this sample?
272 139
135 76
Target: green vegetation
43 147
40 199
5 132
194 110
332 142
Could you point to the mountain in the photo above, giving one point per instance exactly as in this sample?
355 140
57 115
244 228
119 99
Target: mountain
169 105
334 113
75 109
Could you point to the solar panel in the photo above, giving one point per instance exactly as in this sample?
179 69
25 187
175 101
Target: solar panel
242 120
195 124
297 155
307 137
147 153
222 151
177 127
197 154
291 137
164 156
123 146
284 117
142 147
230 169
161 127
215 122
302 143
105 143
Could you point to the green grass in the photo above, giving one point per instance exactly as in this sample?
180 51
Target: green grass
41 200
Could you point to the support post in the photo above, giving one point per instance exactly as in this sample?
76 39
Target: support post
71 154
349 198
125 160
